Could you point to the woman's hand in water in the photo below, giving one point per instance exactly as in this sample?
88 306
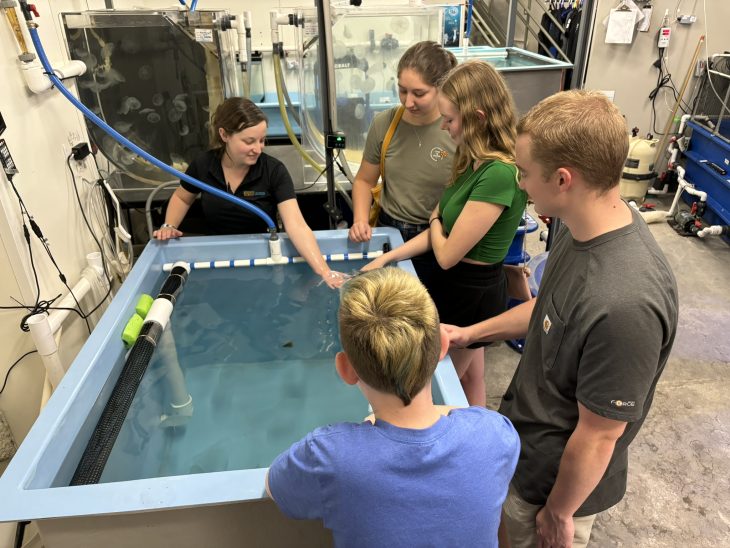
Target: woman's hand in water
166 233
380 262
334 279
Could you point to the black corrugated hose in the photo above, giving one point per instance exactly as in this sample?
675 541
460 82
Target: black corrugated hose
96 454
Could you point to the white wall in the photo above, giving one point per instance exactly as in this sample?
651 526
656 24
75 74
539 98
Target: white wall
41 129
628 70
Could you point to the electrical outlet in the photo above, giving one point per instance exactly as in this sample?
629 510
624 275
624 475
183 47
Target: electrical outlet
700 67
78 167
686 19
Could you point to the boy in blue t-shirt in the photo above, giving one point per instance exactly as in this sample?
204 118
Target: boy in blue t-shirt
413 474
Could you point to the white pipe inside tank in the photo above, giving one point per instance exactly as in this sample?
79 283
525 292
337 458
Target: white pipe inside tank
269 261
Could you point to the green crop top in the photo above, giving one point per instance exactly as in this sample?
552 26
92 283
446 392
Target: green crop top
494 182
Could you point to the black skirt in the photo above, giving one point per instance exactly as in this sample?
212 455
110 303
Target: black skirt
469 293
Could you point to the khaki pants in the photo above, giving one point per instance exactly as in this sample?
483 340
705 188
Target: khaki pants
518 517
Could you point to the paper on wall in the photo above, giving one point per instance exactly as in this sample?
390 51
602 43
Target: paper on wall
641 14
644 25
620 29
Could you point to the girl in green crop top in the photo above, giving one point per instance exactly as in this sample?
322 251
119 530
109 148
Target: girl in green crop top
475 221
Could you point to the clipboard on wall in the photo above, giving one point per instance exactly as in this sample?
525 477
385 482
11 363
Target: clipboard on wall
620 28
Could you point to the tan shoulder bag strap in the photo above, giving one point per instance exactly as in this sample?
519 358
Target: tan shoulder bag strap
388 136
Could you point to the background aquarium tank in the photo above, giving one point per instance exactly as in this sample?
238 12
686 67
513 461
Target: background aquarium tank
367 44
155 77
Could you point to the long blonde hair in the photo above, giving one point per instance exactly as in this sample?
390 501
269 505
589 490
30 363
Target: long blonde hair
476 86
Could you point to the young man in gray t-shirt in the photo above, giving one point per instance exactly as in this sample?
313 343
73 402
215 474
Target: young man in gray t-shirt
598 335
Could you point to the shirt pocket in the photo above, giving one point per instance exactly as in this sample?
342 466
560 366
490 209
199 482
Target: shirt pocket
552 331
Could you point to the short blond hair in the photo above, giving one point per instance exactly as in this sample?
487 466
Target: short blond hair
578 129
389 329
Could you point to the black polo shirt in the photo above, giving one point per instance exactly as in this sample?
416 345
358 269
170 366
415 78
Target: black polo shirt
266 185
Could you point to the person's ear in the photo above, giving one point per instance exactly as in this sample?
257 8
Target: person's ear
481 115
564 178
223 134
345 370
444 342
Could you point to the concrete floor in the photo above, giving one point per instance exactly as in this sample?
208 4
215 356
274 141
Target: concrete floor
679 473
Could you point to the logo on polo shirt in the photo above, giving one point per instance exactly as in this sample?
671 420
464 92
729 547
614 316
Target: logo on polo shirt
623 403
546 324
438 153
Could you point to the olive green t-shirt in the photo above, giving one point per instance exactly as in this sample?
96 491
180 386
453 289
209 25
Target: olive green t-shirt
494 182
417 166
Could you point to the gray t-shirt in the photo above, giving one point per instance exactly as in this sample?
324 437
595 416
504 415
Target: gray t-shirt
601 332
417 166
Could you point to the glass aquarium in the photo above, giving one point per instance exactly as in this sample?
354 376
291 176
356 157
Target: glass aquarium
155 77
530 76
366 46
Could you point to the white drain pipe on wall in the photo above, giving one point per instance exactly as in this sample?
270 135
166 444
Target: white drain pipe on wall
44 326
36 79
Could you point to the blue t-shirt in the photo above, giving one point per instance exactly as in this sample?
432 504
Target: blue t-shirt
380 485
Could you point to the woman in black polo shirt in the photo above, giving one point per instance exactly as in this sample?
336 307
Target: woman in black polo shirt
237 164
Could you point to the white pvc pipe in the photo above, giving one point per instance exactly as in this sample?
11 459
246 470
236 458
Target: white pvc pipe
82 287
44 326
42 335
270 261
159 312
714 230
689 189
276 19
239 24
275 250
36 79
673 156
684 186
683 123
47 391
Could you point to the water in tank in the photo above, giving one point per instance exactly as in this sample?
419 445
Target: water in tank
366 46
155 77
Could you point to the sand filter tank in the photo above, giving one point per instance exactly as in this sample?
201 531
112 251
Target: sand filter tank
638 171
